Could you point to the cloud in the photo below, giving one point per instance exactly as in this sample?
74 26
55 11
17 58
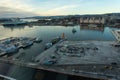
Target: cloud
9 12
16 8
16 4
56 7
60 10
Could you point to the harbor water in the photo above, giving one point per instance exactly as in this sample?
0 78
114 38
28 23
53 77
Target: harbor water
46 33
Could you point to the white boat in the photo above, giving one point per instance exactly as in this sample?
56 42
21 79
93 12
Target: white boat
14 22
48 45
73 30
37 40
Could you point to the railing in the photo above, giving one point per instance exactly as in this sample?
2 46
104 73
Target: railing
6 77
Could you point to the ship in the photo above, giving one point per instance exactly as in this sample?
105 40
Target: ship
14 22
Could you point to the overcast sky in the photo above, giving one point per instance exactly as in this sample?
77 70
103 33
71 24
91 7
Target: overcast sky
21 8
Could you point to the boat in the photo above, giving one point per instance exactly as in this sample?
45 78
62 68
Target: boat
52 42
48 45
37 40
74 30
50 62
2 54
14 22
26 44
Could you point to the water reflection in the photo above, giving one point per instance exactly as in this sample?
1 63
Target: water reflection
46 33
12 28
100 28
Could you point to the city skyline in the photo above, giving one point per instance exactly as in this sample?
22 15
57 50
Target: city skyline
21 8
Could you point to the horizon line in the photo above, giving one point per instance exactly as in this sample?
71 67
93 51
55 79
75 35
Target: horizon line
64 15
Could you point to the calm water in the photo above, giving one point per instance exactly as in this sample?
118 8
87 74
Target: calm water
49 32
46 33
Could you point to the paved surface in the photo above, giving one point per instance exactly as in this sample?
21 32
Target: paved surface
98 59
98 71
87 52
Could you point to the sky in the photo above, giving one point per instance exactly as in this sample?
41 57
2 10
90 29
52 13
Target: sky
22 8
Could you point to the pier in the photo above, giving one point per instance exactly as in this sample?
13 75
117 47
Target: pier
81 52
94 59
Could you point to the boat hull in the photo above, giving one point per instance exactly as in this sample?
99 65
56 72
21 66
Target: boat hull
14 24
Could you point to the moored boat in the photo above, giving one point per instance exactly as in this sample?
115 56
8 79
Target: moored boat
37 40
14 22
74 30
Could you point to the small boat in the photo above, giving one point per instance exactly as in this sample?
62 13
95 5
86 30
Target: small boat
14 22
48 45
37 40
54 41
74 30
26 44
2 54
50 62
